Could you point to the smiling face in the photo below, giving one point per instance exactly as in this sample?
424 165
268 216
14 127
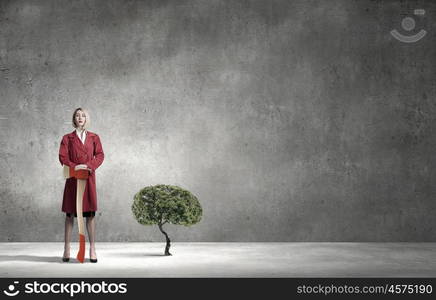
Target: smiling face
80 119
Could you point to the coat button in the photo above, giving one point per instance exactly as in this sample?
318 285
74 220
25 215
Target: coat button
82 157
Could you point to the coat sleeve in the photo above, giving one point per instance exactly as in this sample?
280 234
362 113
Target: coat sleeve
64 158
98 158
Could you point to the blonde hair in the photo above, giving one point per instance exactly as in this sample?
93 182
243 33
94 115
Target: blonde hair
88 119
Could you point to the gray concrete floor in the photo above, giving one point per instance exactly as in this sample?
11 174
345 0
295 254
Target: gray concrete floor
223 260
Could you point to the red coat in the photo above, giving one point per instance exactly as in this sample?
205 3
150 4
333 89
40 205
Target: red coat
73 152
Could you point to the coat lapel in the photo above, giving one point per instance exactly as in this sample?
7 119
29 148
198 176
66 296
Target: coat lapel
88 134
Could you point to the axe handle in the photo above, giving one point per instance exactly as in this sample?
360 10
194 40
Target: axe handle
81 176
81 184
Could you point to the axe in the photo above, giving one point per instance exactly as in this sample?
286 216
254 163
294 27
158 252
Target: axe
81 175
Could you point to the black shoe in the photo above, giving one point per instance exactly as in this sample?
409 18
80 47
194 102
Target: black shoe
93 260
65 259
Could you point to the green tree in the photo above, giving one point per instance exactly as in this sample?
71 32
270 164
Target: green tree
160 204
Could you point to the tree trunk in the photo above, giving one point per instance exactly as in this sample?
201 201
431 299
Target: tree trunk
168 245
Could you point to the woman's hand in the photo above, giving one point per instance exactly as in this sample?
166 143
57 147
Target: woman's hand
81 167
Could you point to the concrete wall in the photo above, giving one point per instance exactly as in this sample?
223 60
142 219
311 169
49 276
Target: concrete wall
289 120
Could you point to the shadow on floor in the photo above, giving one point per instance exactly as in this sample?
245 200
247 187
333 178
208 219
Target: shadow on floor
73 260
137 254
49 259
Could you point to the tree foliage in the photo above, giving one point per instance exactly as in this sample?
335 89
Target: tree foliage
160 204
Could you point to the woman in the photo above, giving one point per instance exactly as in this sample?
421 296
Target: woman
80 149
